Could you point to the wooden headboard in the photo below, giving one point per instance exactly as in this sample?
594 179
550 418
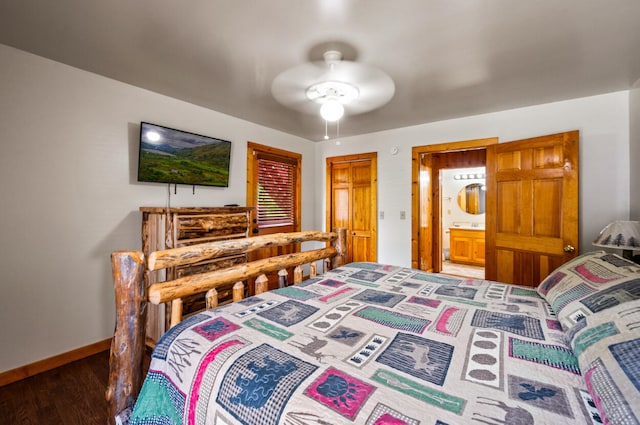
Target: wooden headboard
129 268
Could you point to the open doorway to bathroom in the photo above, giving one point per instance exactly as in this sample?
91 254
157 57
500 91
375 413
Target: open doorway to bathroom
462 223
428 162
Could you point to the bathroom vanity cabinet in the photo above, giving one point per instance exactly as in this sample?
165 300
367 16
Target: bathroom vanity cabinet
467 246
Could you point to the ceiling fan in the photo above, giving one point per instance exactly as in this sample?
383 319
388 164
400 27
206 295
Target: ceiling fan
333 86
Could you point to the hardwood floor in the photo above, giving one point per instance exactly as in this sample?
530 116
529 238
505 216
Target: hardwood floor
72 394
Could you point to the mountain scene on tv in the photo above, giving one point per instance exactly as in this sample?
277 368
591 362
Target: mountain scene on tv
173 156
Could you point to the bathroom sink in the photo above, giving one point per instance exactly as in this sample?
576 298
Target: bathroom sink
470 226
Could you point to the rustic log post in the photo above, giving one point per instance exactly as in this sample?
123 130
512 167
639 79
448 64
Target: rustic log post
128 343
176 312
313 270
238 291
282 278
297 275
211 299
262 284
341 246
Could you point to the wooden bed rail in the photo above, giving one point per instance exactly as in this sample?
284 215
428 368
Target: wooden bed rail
196 253
129 267
190 285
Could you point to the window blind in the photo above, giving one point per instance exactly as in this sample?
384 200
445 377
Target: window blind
276 193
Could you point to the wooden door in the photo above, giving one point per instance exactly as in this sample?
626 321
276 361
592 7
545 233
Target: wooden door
352 203
532 207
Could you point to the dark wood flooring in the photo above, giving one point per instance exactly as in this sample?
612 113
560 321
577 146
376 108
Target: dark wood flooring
72 394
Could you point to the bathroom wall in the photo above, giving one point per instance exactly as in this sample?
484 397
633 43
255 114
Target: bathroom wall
451 213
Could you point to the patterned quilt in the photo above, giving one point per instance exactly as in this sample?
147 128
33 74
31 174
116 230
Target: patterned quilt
370 344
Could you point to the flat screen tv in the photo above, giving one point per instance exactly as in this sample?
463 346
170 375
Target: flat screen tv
173 156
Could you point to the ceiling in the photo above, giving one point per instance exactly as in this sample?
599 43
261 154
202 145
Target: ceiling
447 58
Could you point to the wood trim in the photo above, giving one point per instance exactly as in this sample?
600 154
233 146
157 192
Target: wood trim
40 366
455 146
274 151
421 212
351 158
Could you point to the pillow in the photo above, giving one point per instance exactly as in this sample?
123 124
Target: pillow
607 345
590 283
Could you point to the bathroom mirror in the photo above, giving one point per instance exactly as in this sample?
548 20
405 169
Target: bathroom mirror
471 198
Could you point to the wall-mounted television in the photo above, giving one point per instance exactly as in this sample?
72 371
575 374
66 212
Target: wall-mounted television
173 156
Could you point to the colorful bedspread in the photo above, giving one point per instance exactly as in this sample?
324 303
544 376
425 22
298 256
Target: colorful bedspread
370 344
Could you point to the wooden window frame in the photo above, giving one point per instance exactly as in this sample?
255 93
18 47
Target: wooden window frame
255 151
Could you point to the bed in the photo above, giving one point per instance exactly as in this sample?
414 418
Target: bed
370 343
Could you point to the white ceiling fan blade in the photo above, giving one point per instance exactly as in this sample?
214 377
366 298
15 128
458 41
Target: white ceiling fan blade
289 88
375 88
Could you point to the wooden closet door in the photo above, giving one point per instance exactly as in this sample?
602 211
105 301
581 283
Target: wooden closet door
352 203
532 207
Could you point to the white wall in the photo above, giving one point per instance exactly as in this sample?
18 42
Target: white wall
451 213
69 195
450 188
603 122
634 150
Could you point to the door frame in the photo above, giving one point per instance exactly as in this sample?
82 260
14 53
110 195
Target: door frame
425 199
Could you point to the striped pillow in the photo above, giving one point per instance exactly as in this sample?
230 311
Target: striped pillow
590 283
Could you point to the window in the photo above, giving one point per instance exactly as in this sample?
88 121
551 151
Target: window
276 193
273 188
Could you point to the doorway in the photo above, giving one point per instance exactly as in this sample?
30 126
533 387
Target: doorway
531 206
428 230
462 224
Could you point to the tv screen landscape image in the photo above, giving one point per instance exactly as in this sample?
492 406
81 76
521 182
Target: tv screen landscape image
168 155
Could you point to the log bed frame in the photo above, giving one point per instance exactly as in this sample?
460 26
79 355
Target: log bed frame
129 267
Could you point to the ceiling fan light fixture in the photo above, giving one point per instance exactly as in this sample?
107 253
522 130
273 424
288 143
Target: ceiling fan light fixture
333 90
348 87
332 95
331 110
